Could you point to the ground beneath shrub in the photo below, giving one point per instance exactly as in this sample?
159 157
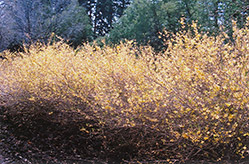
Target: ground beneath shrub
41 141
54 144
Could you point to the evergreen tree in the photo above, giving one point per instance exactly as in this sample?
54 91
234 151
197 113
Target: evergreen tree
103 13
143 20
73 24
234 10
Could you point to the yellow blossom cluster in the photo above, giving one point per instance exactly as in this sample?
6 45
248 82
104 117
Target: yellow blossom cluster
195 94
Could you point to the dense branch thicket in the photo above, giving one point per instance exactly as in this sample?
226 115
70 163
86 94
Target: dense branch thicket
190 102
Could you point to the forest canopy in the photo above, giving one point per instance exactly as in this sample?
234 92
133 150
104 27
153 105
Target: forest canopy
78 21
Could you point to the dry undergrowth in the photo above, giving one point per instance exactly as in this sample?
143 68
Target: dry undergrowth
189 102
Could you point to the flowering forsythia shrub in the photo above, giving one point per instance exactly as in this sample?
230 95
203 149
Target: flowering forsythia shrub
190 101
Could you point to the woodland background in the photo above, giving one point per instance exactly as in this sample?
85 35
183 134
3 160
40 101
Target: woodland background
78 21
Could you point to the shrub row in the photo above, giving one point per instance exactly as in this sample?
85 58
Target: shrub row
188 102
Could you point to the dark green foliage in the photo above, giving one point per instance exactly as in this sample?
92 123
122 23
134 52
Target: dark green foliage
103 13
73 25
145 20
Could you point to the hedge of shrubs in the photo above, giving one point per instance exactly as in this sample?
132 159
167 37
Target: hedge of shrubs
189 102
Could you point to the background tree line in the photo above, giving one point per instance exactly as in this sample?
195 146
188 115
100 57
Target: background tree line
77 21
